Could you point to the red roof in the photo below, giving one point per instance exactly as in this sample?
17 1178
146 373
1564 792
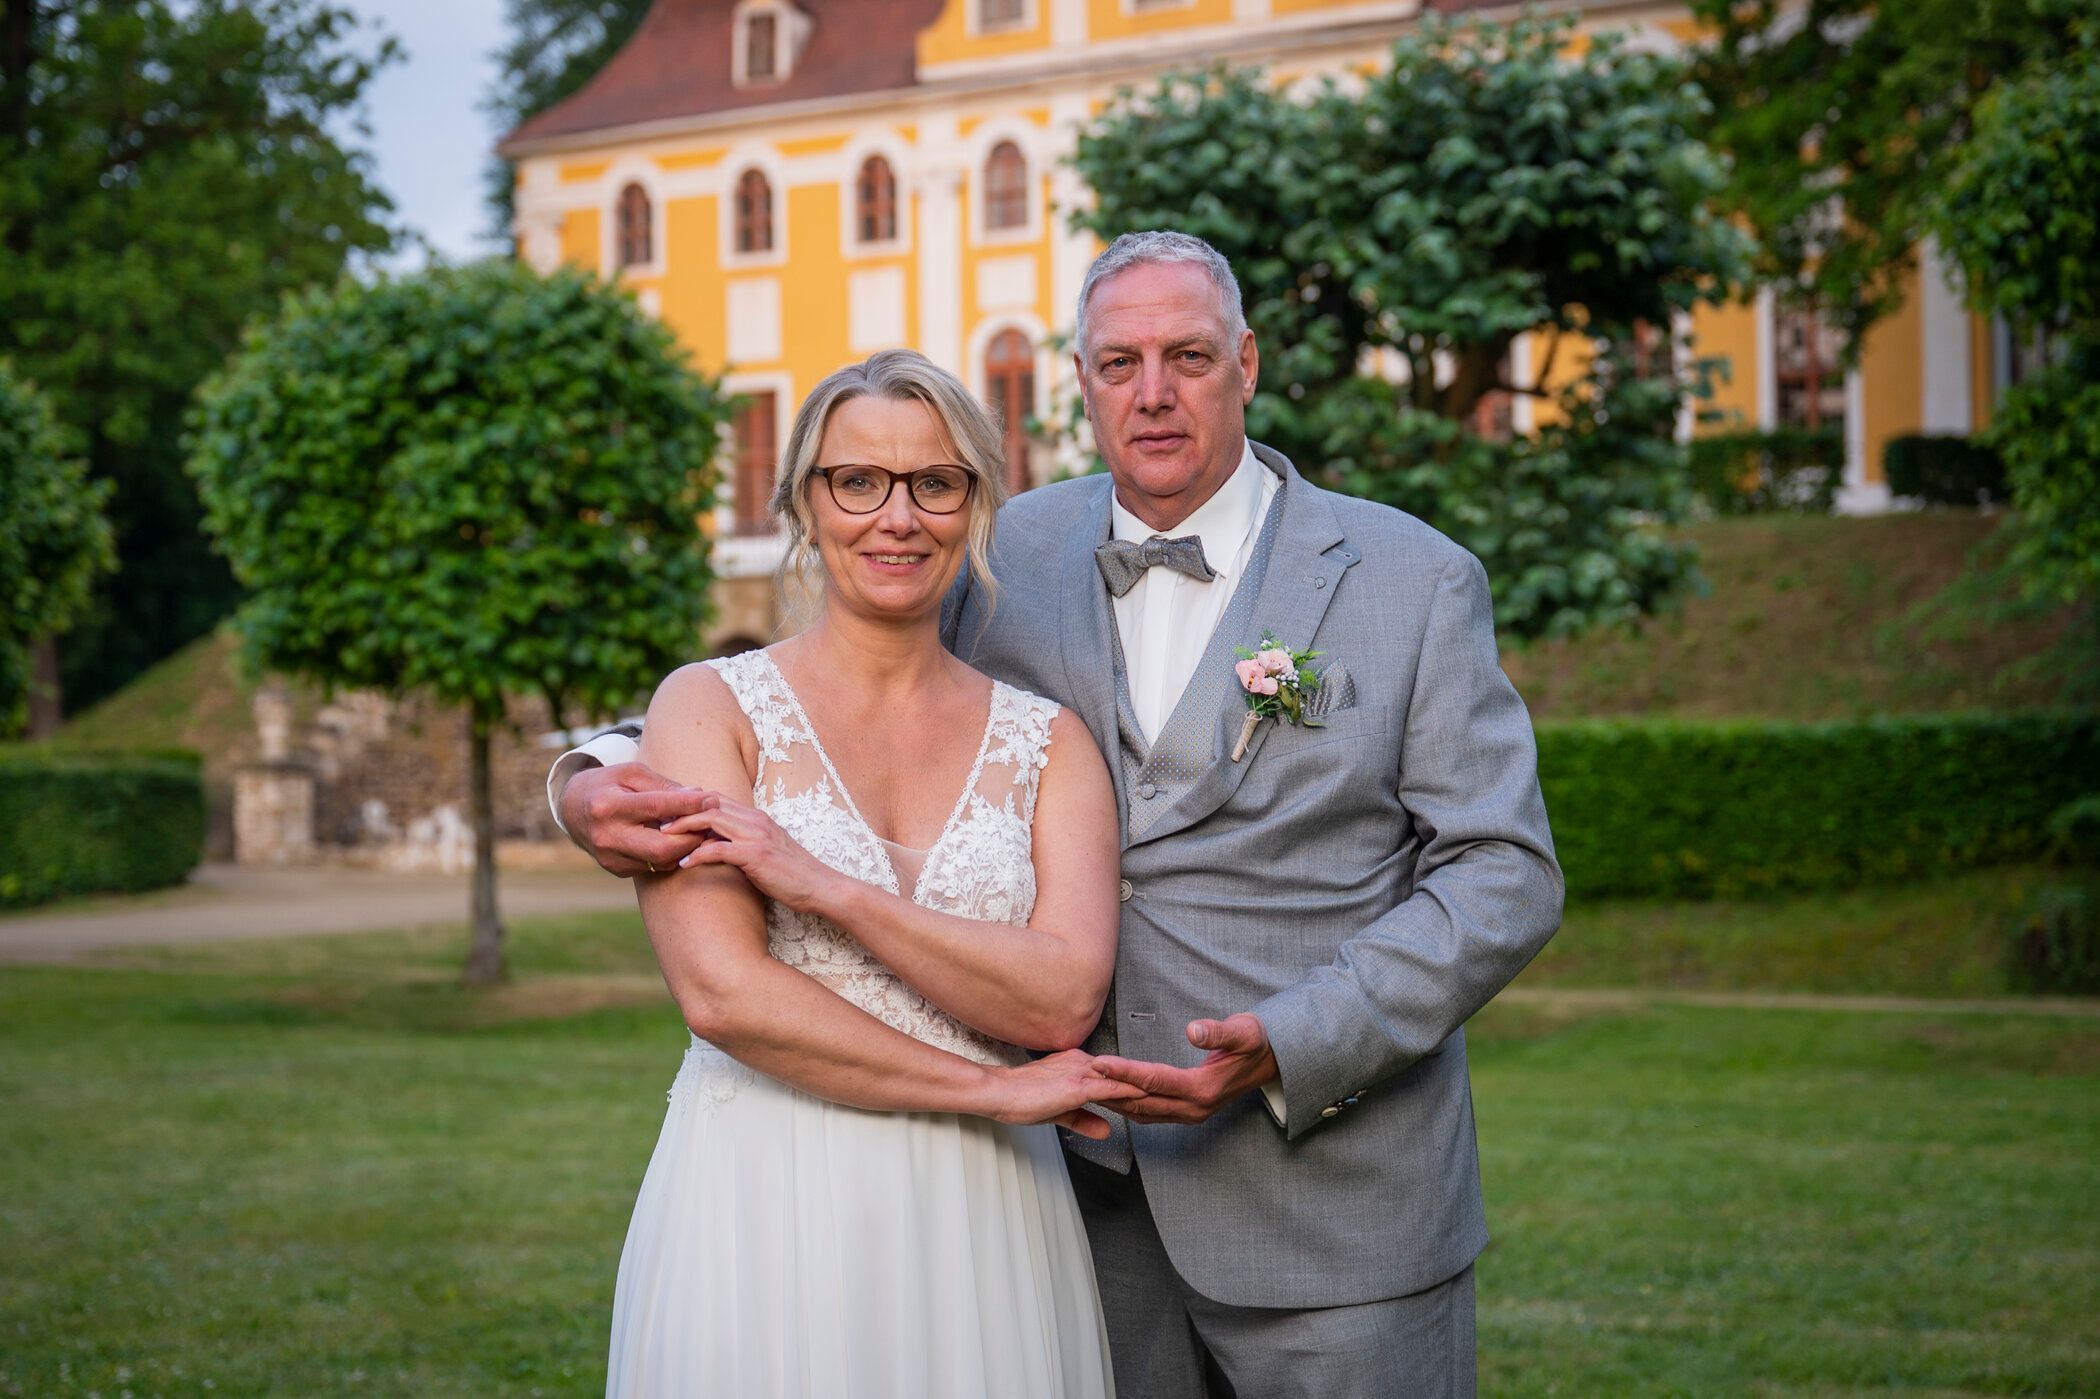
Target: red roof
678 64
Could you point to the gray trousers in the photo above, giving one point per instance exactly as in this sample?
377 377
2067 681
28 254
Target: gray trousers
1169 1341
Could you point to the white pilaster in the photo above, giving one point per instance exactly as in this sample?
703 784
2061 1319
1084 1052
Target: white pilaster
1948 405
1858 496
940 180
1767 360
1067 23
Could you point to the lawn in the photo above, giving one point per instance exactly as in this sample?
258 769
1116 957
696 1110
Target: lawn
318 1168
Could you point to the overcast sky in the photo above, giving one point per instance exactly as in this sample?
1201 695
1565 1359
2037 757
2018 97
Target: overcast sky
429 139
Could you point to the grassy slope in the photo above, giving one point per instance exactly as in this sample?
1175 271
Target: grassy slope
1805 618
319 1168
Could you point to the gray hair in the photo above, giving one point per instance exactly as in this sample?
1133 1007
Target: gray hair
901 376
1159 246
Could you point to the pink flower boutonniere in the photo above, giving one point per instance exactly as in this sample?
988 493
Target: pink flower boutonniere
1277 681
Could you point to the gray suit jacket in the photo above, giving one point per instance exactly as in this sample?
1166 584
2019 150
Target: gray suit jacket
1363 887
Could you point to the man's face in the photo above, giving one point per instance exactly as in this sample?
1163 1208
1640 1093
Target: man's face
1166 388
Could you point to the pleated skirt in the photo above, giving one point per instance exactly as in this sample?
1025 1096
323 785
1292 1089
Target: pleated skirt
784 1247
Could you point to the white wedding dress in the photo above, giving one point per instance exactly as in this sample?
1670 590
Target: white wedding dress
783 1245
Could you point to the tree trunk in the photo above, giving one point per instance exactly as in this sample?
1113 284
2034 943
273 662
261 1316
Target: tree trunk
46 701
485 951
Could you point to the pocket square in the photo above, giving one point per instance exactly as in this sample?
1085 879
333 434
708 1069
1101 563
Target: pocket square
1337 692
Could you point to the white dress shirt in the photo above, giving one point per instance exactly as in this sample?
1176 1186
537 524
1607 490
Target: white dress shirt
1167 618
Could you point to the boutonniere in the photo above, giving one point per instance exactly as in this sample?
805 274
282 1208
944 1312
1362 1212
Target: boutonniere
1277 681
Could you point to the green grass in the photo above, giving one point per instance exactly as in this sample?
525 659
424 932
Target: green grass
318 1167
1808 618
1943 937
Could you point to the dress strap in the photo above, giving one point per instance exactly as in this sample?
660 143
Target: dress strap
751 677
1017 747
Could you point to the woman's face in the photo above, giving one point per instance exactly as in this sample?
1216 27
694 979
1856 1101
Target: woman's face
898 560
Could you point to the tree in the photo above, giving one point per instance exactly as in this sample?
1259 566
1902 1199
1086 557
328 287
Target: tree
556 46
473 483
1843 118
1494 181
2019 215
54 538
168 169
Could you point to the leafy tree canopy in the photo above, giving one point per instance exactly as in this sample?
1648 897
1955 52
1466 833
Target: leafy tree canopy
168 170
1843 118
473 483
53 537
1494 180
2021 216
555 47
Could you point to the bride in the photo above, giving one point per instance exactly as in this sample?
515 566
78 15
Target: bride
910 881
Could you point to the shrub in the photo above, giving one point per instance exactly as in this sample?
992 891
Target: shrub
2074 833
2056 947
76 822
1669 808
1944 470
1789 470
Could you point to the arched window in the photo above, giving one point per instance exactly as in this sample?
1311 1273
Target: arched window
875 201
1808 368
754 213
1006 187
636 235
751 486
1009 382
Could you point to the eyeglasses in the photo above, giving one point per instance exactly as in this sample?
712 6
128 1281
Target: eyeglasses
863 490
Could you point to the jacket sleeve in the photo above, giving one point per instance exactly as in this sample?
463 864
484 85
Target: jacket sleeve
1487 892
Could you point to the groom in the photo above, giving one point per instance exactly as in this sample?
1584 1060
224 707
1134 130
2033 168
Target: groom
1294 1208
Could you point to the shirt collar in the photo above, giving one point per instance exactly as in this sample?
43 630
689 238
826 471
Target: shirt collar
1222 522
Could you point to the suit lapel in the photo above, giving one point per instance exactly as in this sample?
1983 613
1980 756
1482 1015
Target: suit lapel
1305 565
1088 630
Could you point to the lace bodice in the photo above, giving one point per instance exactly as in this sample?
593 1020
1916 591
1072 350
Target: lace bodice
979 867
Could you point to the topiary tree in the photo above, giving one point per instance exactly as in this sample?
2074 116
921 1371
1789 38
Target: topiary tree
54 538
1493 181
472 483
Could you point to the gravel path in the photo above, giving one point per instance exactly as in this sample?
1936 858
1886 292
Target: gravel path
231 902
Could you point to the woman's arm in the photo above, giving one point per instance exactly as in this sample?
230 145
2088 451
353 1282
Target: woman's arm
707 925
1040 986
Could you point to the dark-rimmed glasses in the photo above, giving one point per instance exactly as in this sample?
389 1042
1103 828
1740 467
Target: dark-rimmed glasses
863 490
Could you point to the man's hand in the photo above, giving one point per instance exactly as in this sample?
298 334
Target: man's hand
613 813
1239 1059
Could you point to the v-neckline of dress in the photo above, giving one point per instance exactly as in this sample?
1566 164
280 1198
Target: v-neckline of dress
882 847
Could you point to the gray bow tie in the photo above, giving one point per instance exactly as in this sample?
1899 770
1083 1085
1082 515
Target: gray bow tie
1122 563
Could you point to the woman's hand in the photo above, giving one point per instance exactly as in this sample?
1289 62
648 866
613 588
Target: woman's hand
748 840
1057 1088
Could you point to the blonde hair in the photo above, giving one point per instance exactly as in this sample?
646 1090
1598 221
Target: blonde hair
902 376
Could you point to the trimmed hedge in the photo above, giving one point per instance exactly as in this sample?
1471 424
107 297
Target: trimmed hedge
1945 470
1789 470
83 822
1705 810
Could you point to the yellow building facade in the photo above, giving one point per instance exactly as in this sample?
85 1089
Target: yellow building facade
793 184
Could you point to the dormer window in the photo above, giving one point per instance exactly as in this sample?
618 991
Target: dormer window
769 34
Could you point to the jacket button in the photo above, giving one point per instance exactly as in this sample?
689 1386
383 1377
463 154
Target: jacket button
1319 583
1147 790
1123 890
1330 1111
